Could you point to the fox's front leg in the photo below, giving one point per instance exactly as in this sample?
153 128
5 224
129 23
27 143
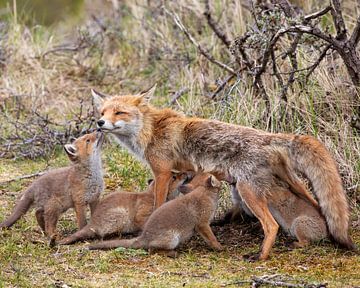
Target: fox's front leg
162 174
161 188
80 212
205 231
93 205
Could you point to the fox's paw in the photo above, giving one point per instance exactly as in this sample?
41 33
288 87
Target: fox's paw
64 241
52 241
218 247
172 254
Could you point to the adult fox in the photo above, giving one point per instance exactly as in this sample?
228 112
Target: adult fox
167 140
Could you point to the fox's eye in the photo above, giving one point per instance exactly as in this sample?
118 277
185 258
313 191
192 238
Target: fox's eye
87 140
119 113
102 113
174 177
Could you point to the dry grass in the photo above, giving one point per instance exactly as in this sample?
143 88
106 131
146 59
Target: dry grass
140 46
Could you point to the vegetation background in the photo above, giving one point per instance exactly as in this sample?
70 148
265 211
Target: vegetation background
53 52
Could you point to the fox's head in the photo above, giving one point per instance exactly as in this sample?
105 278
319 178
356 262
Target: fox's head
203 179
177 179
85 148
122 115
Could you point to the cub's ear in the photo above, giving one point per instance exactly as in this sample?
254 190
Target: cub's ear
98 98
213 182
70 150
148 94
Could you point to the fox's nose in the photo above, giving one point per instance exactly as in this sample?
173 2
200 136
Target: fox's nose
100 123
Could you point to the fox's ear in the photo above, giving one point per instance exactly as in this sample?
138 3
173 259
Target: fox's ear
213 182
150 181
70 150
98 98
148 94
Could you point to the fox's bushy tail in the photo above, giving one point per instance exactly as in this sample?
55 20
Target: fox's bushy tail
126 243
310 157
21 207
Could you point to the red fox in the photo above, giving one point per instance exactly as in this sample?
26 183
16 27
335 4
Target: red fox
60 189
122 212
167 140
175 221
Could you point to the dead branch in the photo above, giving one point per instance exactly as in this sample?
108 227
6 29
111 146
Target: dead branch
206 54
23 177
178 94
222 86
336 14
355 37
317 63
215 26
275 280
286 7
317 14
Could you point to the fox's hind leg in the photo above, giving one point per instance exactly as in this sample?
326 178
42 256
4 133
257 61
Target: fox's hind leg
206 233
259 207
39 214
51 217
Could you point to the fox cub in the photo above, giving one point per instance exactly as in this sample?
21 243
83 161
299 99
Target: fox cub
297 217
60 189
122 212
175 221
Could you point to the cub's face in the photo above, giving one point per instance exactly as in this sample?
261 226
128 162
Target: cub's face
206 180
85 147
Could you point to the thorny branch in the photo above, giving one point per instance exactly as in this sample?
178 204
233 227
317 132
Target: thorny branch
37 135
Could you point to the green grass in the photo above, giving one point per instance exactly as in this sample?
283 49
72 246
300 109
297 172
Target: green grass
28 261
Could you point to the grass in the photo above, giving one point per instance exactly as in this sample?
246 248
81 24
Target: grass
141 46
28 261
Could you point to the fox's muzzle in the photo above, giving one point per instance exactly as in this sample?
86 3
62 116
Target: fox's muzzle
100 123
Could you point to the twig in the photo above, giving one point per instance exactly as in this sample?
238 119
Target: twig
222 86
215 26
336 13
292 56
276 280
355 37
286 7
195 43
178 94
23 177
275 70
317 14
317 63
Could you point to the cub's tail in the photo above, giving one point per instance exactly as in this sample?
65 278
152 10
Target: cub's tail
126 243
21 207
